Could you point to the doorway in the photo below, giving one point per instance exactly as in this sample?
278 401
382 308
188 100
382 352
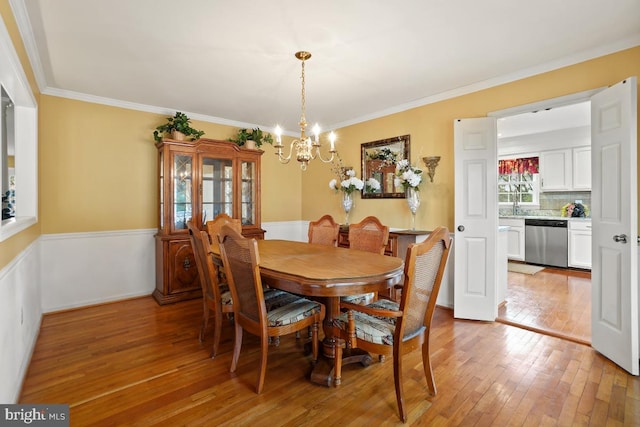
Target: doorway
553 301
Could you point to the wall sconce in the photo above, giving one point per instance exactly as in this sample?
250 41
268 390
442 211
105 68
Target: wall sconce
431 163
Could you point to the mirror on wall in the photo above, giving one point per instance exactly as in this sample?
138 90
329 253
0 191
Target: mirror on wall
379 160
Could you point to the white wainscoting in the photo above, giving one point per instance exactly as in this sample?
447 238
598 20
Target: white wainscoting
20 314
81 269
286 230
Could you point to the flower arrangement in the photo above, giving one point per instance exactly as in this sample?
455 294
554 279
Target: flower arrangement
386 155
348 185
575 210
407 176
372 185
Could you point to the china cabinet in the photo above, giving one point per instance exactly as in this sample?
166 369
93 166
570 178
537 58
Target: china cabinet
199 180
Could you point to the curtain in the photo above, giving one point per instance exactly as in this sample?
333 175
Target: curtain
524 165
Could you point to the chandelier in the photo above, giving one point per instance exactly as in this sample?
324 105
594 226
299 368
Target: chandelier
306 149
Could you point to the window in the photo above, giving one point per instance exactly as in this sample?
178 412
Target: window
518 181
18 143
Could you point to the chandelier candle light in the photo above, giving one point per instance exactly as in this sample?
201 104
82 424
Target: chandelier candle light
306 149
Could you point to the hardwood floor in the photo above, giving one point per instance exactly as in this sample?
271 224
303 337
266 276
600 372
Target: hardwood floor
553 301
137 363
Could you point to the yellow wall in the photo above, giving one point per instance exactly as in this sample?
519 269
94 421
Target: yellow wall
99 169
431 130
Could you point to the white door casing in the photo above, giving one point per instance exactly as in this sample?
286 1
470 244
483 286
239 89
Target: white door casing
614 211
476 219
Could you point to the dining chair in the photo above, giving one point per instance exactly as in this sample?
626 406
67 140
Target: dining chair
206 285
389 328
216 297
324 231
213 226
285 314
368 235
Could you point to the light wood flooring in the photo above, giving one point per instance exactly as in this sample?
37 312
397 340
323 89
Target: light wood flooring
137 363
552 301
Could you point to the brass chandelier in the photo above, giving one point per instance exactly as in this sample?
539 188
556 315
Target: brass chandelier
306 149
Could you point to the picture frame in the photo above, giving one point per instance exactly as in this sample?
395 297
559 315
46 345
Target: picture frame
379 160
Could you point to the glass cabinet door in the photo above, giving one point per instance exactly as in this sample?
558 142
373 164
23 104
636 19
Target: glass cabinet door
217 188
248 192
182 191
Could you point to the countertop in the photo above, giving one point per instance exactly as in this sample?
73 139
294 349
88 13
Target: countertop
588 218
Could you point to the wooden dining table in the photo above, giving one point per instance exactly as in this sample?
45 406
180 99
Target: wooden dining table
326 273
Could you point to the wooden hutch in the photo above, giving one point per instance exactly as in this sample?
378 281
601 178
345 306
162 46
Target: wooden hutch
199 180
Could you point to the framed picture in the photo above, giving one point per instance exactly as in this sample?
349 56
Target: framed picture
379 160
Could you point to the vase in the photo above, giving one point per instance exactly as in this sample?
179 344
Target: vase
250 144
177 135
347 204
413 200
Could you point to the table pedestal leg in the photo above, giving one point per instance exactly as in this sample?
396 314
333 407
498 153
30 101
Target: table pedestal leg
323 372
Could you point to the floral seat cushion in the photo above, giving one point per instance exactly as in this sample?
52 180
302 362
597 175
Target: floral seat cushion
284 308
361 299
369 328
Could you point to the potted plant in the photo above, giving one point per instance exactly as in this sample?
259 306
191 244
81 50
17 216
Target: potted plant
252 138
178 127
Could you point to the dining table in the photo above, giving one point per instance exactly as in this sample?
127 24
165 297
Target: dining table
326 273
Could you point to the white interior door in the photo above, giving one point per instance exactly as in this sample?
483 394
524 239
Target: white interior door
614 275
476 219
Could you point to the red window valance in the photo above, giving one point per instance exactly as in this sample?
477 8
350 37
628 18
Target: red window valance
524 165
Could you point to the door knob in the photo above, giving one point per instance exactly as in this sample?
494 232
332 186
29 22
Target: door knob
620 238
461 228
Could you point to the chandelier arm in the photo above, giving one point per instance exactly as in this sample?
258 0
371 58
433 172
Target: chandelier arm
281 158
318 155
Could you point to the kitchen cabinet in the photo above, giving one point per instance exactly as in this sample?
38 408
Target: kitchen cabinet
580 244
198 180
515 237
502 267
566 170
581 168
555 170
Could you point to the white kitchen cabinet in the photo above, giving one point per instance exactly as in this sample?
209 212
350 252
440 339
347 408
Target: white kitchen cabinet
501 267
582 168
515 237
555 170
580 244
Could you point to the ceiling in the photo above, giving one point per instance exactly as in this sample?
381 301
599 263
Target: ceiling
233 62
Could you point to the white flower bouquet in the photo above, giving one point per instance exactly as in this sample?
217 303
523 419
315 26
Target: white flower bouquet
407 176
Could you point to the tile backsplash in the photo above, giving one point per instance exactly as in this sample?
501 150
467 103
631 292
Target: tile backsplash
551 203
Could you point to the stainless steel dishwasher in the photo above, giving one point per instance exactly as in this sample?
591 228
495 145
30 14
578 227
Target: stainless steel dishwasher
545 242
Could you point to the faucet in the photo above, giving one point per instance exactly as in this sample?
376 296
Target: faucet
516 197
516 207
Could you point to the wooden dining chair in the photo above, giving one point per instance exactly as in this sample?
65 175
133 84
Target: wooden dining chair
324 231
216 297
389 328
282 314
215 225
208 297
368 235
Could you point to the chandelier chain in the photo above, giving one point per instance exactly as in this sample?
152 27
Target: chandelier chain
303 118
